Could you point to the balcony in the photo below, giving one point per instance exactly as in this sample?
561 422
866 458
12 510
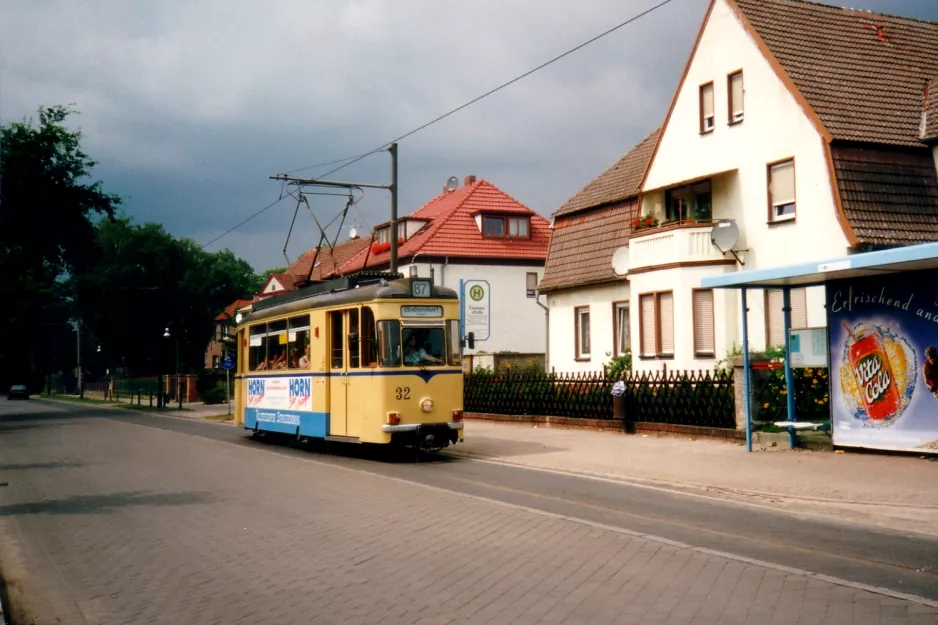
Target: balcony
673 245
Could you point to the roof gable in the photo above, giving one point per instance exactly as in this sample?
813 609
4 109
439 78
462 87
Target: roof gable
862 73
452 229
930 125
619 182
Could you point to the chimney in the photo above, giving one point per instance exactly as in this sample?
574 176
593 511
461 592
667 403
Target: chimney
470 179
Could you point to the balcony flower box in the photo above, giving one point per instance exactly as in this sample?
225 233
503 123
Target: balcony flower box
643 223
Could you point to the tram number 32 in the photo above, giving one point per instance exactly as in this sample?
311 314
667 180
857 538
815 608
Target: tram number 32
402 392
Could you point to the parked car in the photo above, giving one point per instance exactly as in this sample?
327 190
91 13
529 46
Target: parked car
18 390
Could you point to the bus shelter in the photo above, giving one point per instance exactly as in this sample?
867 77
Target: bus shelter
881 340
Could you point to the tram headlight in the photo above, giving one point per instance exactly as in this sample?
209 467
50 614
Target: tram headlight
426 404
394 418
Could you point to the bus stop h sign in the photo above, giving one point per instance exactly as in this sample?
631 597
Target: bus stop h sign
477 309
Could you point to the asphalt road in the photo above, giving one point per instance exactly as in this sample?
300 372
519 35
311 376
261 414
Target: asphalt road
60 436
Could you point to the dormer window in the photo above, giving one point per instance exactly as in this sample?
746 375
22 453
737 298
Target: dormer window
384 235
504 226
706 108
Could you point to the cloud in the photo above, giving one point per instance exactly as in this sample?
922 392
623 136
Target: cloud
189 106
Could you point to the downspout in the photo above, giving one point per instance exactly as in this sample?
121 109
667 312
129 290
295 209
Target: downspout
443 271
537 300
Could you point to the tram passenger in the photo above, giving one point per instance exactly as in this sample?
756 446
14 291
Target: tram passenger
414 354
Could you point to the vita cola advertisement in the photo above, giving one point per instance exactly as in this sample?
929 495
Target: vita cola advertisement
884 361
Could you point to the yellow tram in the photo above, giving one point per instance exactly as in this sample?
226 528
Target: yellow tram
366 359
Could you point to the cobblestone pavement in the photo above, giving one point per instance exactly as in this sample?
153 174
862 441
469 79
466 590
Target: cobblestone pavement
128 524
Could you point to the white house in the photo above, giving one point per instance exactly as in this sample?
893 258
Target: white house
588 304
476 232
805 125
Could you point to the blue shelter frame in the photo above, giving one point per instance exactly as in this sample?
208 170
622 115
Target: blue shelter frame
896 260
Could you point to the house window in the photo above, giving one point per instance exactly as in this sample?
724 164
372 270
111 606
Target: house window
775 316
215 362
690 202
706 108
515 227
782 191
530 280
734 89
656 319
620 328
582 328
384 236
704 340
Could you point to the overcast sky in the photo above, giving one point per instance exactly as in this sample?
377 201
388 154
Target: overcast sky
188 105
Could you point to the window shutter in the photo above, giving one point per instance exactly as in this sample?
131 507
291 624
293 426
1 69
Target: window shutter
783 183
666 320
799 308
704 342
706 107
736 96
775 322
648 325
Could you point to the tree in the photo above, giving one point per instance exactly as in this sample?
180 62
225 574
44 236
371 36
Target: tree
145 281
48 209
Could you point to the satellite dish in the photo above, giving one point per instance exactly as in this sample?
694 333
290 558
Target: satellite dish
724 235
353 233
452 183
620 261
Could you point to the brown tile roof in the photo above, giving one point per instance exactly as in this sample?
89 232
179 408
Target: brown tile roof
931 113
582 245
890 197
619 182
863 73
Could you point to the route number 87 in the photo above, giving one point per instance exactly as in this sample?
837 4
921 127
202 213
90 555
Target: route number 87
402 392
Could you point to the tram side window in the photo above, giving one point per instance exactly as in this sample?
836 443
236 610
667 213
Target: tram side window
277 344
455 350
389 343
336 338
298 343
353 338
369 341
257 347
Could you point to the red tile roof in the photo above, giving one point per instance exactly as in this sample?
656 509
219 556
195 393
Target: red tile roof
232 309
617 183
329 261
862 73
452 230
582 245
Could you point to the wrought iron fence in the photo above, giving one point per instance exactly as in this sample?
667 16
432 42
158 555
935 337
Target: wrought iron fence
684 398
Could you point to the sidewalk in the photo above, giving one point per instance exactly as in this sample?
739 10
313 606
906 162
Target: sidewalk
897 492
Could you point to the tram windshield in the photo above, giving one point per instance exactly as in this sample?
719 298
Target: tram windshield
424 346
417 346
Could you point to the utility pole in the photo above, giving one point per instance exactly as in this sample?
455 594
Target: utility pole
393 150
178 379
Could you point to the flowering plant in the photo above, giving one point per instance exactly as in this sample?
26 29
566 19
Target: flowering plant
644 222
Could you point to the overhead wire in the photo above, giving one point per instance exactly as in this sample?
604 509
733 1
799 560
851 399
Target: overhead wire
352 160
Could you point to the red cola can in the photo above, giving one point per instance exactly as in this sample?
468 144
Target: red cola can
876 382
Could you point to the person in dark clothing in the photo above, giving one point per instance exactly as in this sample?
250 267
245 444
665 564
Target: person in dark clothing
930 370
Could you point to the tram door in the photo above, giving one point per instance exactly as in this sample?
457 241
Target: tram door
345 360
338 373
